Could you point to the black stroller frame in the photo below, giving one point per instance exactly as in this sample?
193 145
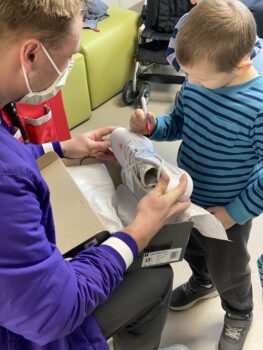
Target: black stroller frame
151 49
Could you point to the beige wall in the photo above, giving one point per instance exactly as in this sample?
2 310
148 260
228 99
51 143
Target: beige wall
122 3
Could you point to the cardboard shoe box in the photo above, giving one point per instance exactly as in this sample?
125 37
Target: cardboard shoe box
77 225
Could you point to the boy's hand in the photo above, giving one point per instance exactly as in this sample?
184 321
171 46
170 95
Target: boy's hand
139 119
221 214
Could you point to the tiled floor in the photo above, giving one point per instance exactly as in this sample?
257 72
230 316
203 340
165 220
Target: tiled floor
200 327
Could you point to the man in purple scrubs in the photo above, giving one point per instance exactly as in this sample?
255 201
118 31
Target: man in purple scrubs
47 303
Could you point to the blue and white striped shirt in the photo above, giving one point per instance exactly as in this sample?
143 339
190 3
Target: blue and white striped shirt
222 145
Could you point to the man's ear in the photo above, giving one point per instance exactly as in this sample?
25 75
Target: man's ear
29 54
243 65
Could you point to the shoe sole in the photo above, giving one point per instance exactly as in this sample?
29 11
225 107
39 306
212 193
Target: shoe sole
188 306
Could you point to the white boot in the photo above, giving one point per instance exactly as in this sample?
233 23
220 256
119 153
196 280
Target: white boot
143 165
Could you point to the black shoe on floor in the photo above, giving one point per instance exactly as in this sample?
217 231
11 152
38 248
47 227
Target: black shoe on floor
186 295
234 332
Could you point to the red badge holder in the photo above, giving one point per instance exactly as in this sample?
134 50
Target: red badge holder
39 124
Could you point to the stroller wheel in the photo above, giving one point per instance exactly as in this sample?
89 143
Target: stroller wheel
128 95
144 91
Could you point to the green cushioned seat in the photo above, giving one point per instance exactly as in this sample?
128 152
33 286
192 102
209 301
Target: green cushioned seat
109 54
75 93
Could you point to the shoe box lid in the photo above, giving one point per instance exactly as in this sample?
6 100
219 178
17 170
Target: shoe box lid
78 226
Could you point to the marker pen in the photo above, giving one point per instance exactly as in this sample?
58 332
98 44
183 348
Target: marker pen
144 107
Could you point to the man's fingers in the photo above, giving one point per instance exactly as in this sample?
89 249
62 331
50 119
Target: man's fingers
181 206
161 187
106 156
179 190
106 130
162 184
99 145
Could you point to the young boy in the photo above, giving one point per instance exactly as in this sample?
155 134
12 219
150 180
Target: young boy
171 58
219 118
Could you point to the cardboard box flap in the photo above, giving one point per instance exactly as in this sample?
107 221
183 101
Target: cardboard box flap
113 168
75 220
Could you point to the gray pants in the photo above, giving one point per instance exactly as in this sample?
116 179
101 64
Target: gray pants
226 264
136 312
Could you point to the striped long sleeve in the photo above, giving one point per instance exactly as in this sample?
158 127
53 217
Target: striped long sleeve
222 145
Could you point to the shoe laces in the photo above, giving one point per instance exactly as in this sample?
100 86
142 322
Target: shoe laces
188 288
233 332
132 164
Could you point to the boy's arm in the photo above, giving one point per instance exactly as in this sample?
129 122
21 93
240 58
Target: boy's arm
169 127
249 203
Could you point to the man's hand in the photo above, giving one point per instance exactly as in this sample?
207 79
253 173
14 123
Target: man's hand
154 210
89 144
221 214
138 121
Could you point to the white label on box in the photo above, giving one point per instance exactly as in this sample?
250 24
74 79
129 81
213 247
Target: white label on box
161 257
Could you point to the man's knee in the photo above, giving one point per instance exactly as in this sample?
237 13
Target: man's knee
161 279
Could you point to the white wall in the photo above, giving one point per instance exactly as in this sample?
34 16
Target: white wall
112 2
122 3
128 3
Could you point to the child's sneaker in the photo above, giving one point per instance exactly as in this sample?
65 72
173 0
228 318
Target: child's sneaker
141 165
189 293
234 332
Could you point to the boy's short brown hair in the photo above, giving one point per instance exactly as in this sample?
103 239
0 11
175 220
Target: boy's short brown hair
220 32
48 20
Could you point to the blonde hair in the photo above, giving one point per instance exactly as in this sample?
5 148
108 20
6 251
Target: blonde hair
220 32
47 20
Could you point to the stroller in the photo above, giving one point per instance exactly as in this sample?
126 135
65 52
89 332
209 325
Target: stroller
157 22
256 7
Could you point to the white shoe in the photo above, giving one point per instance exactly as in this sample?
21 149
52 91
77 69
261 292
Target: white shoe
175 347
141 165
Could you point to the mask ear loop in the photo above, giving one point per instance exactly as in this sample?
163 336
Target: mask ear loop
51 60
26 80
